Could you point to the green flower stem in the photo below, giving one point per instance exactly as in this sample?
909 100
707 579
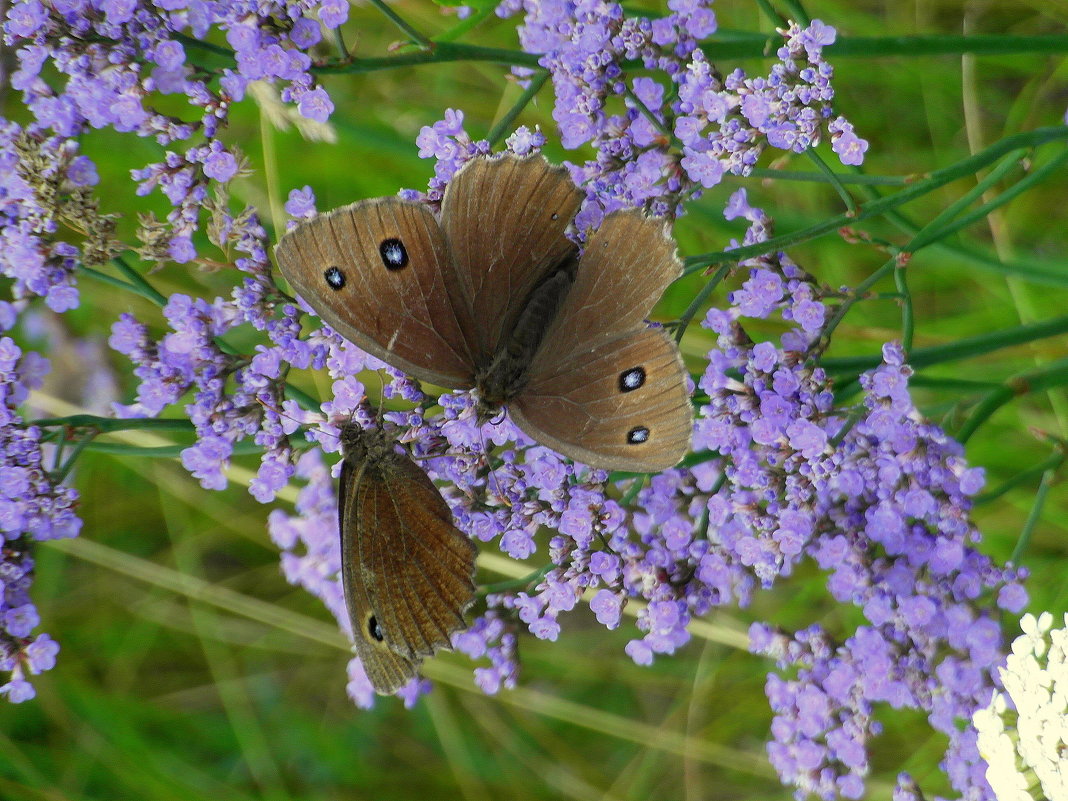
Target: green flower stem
244 448
1048 376
437 53
515 584
942 224
84 441
106 425
112 280
144 287
833 180
463 26
200 44
907 315
302 398
699 300
955 351
819 177
797 13
1053 463
416 37
649 115
505 123
770 12
965 167
339 43
1020 187
727 44
747 44
858 292
955 385
1032 519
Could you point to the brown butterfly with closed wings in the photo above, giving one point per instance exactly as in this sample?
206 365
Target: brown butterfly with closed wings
492 295
407 571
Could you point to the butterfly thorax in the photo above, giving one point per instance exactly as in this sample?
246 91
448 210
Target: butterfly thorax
371 446
508 372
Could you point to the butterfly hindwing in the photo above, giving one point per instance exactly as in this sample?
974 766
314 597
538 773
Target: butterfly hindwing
604 388
622 404
407 570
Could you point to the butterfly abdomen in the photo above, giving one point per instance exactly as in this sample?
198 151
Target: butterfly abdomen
507 374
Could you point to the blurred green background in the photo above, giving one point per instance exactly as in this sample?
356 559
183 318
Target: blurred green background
189 669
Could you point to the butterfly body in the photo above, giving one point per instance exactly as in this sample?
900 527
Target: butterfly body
407 571
491 295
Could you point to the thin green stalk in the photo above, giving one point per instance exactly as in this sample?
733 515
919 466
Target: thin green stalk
955 351
797 13
1053 463
875 208
244 448
833 180
1048 376
138 280
649 115
907 315
305 400
112 280
416 37
339 43
505 123
749 44
766 173
200 44
516 584
1032 518
437 53
106 425
770 12
699 300
847 426
939 226
858 292
463 26
79 446
1054 166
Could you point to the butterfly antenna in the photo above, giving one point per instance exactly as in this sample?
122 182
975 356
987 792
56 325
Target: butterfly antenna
491 477
277 410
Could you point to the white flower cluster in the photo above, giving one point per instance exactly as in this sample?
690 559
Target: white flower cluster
1027 750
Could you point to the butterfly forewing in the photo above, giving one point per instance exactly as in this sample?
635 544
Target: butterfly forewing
504 219
376 271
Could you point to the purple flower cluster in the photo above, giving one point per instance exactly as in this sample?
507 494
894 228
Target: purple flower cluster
671 141
32 508
879 498
44 183
117 59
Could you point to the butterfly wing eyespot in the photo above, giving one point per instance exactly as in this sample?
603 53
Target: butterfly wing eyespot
394 254
374 630
638 435
632 379
335 277
376 272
